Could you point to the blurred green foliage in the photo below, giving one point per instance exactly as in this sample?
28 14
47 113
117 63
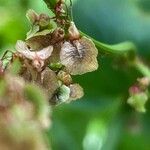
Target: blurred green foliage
101 120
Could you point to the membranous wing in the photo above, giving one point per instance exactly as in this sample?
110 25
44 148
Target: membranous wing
43 54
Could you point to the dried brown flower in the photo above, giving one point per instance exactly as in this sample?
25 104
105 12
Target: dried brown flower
80 56
37 57
76 92
46 38
49 81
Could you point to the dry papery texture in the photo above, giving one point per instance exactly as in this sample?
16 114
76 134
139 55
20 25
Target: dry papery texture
51 54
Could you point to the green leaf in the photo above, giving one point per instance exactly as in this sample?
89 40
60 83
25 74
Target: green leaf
55 66
33 31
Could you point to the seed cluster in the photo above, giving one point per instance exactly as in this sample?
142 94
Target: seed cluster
53 51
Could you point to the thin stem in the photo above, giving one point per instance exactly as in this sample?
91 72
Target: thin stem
122 49
71 12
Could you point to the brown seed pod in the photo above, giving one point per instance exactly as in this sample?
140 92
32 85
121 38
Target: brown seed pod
39 41
49 81
80 56
76 92
55 57
38 57
46 39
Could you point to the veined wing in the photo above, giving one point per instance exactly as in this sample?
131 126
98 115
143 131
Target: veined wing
22 48
44 53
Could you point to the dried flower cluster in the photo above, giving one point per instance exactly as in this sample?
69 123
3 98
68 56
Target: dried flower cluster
52 53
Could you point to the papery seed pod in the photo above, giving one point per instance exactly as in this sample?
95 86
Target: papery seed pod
73 32
43 54
32 16
80 56
38 57
39 41
54 39
64 77
76 92
46 39
42 41
49 81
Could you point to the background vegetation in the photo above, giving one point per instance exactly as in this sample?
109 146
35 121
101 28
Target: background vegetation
102 119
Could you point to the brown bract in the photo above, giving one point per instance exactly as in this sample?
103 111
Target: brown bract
38 57
44 40
79 56
39 41
76 92
49 81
